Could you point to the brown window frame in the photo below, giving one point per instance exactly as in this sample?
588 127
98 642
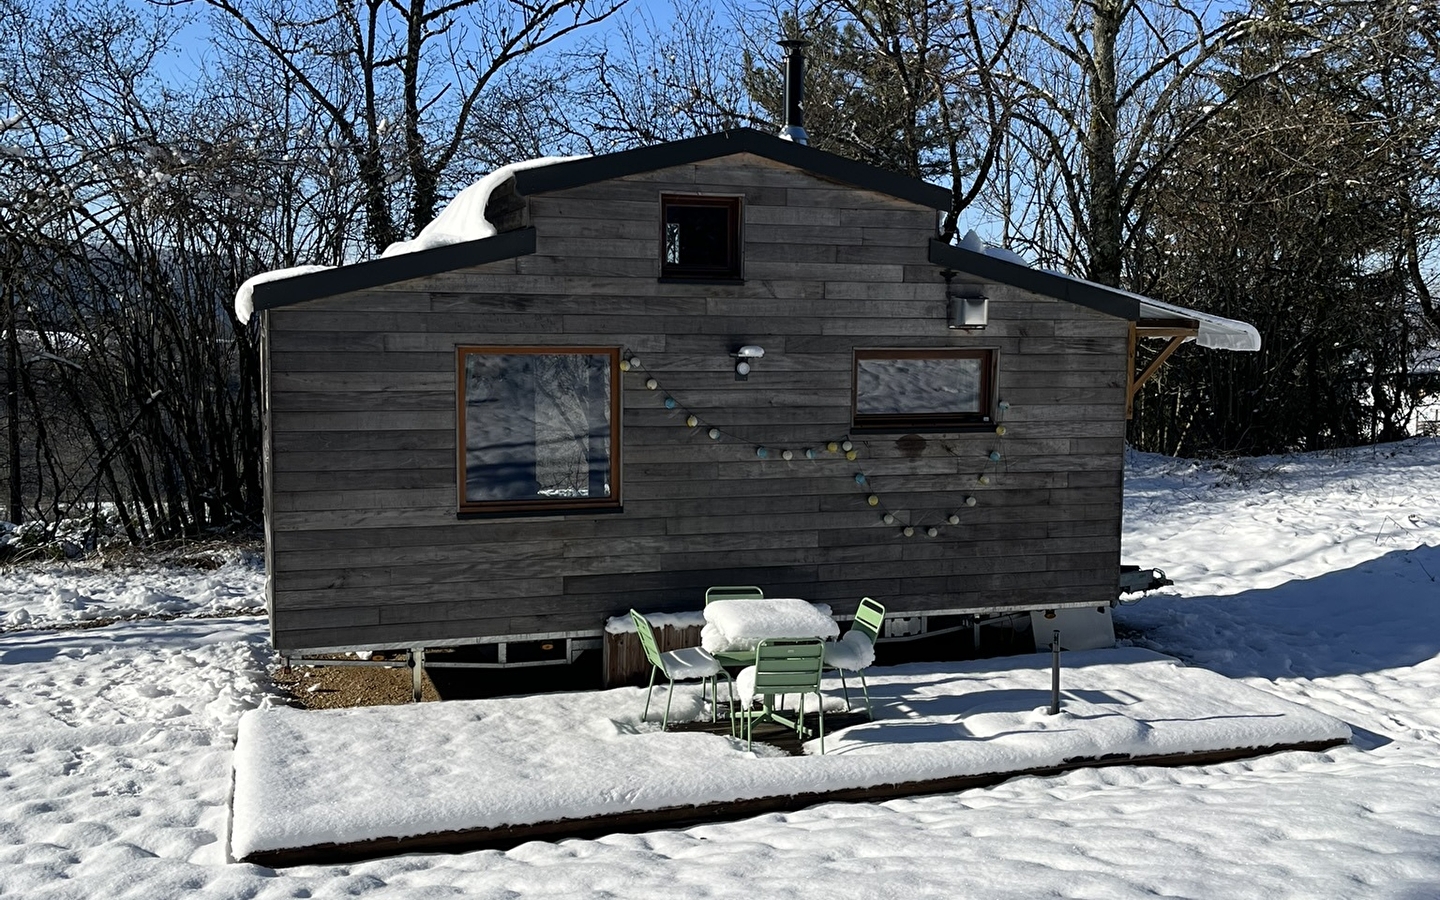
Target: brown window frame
538 506
953 421
733 269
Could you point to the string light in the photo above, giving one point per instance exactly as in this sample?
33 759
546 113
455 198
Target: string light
846 446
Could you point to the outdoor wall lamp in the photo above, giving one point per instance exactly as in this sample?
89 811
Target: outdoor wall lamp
966 306
743 358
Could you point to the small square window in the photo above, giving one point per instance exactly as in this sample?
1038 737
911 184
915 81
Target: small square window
539 428
699 237
923 390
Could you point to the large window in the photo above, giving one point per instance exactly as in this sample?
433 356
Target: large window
539 428
699 237
923 390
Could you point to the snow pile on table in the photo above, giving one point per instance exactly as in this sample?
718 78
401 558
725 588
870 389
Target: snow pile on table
739 625
488 763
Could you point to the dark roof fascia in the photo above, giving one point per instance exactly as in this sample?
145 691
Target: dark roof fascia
580 172
1082 293
388 270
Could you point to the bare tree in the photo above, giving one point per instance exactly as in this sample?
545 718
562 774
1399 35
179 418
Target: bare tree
1102 95
1296 208
130 208
408 88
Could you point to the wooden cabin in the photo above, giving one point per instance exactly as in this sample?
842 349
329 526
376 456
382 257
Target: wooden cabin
734 359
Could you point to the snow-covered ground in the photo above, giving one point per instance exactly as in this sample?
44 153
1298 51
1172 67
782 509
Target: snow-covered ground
586 754
42 596
1312 578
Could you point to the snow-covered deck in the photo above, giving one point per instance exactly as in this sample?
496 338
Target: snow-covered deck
344 784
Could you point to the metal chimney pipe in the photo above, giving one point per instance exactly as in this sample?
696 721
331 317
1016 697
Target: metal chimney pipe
794 127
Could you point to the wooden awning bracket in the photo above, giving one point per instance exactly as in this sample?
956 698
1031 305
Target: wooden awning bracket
1176 334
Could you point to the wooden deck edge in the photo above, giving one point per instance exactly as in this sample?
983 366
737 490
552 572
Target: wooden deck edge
507 837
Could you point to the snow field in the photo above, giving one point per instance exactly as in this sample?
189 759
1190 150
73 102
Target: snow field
1304 577
578 755
71 593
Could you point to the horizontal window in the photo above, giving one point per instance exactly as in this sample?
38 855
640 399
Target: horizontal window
539 428
699 237
923 390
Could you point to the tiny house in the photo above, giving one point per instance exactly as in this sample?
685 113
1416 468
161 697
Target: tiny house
733 359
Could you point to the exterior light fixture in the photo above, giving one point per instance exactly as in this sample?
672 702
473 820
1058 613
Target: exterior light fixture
966 307
743 358
968 310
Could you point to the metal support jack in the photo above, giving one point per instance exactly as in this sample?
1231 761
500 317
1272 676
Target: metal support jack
417 673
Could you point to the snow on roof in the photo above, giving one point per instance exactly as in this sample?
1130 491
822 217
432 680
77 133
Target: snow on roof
245 296
1216 332
462 219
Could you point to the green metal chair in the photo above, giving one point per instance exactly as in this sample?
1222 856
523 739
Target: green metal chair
782 666
687 664
734 592
850 655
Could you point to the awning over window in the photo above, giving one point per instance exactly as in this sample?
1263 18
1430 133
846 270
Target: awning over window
1215 331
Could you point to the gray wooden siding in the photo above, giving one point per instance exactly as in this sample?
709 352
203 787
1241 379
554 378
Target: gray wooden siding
364 544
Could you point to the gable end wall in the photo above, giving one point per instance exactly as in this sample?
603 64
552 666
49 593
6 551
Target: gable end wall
364 545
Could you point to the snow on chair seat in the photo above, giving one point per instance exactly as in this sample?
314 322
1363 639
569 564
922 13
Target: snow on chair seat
686 664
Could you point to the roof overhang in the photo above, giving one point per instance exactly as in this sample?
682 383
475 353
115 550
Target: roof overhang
1154 318
391 269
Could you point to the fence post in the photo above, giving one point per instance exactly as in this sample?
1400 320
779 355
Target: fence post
1055 675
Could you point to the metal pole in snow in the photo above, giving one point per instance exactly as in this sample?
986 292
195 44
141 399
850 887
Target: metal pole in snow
1055 675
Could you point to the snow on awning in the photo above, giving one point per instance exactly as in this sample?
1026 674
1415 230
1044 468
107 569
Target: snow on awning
1214 331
